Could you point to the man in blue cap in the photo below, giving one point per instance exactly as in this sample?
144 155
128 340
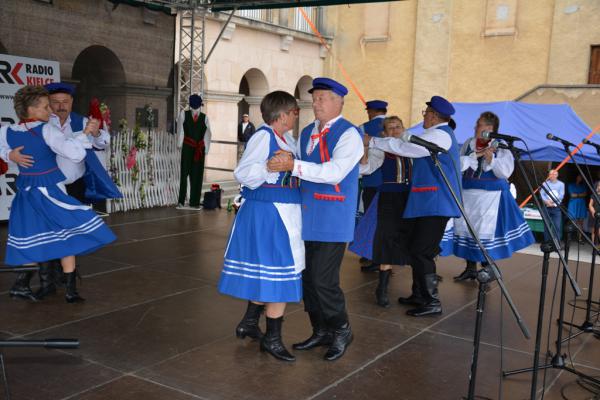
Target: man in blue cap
329 150
376 110
78 127
430 204
194 135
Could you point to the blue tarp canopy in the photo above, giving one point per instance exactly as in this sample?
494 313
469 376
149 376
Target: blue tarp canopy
531 122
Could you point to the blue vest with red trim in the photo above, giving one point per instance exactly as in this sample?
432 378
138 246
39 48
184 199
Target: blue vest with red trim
285 190
395 173
328 211
429 195
373 128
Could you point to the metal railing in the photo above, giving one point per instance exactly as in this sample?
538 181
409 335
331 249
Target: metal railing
258 15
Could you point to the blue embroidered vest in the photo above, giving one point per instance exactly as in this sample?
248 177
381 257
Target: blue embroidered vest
328 211
285 190
429 195
395 173
373 128
479 179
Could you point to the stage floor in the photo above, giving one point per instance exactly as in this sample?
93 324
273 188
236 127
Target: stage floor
154 327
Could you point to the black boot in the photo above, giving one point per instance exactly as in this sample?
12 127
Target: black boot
342 337
47 285
433 304
71 295
470 273
415 299
21 286
321 336
60 280
248 326
381 293
271 341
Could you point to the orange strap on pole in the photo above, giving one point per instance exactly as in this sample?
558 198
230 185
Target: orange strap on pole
324 43
565 160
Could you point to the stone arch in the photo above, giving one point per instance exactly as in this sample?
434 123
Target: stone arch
304 102
254 86
98 72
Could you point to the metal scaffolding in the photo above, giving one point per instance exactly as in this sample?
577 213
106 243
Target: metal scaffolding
190 65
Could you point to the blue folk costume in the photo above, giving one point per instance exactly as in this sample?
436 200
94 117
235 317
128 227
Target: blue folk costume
381 234
98 184
264 258
577 204
373 128
493 212
45 223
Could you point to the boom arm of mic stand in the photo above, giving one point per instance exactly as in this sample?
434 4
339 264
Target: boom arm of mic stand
494 267
546 219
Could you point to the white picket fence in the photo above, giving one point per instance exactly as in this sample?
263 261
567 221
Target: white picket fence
158 165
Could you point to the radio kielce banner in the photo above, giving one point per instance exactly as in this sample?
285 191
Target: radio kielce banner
16 72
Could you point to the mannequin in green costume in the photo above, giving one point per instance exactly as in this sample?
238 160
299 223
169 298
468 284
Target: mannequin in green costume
194 140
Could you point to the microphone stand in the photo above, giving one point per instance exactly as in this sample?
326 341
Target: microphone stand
587 326
487 274
46 343
546 247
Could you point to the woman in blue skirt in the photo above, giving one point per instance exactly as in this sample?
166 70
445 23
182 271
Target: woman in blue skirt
265 254
45 223
488 203
577 205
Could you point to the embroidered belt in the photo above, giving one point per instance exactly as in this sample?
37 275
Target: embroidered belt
38 173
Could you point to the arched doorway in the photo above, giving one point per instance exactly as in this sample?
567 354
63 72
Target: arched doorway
304 102
98 72
3 49
254 87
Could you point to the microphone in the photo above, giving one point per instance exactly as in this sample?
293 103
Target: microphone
499 145
559 140
422 142
597 146
501 136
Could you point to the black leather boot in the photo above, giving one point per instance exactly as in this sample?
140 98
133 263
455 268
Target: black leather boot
71 295
342 337
248 326
321 336
47 285
381 293
470 272
271 341
21 287
60 280
415 299
433 305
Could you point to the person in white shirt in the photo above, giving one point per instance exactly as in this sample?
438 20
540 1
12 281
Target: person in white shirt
193 139
329 150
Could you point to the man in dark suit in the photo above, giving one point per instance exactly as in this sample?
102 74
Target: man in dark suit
245 130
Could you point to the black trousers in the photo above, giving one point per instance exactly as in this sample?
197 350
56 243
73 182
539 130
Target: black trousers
427 233
323 296
77 190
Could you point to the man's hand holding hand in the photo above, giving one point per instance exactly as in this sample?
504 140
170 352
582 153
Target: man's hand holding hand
281 161
92 127
22 160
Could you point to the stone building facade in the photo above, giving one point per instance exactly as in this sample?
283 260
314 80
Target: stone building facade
469 51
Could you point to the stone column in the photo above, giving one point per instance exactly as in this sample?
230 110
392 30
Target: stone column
222 111
254 113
